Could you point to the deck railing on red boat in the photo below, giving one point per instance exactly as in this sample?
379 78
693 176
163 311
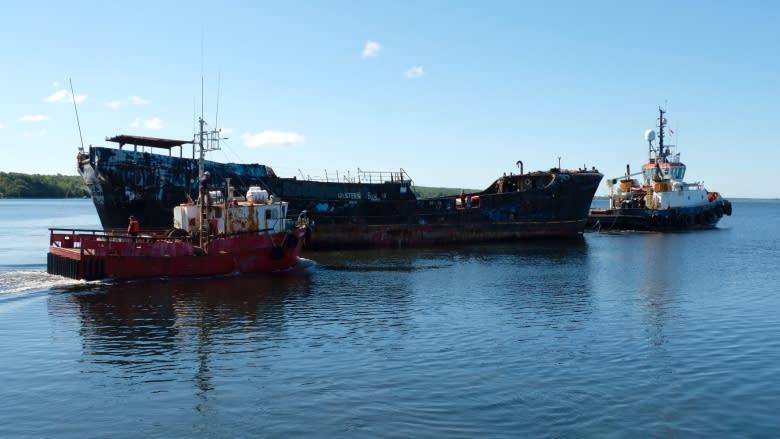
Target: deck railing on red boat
90 239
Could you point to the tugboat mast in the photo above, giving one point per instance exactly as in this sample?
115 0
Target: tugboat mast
661 125
207 141
201 152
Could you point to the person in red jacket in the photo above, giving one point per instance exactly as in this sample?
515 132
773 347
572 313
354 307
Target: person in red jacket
134 227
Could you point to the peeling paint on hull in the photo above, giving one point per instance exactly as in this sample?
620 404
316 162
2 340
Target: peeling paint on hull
348 214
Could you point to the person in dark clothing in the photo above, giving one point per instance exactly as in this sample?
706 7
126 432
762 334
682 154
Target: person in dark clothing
203 188
133 227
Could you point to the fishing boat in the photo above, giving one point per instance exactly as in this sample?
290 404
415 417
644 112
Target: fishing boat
365 209
662 201
225 237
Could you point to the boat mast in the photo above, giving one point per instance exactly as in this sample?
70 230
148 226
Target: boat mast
661 126
201 151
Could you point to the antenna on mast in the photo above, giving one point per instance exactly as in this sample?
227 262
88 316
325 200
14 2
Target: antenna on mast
78 123
216 117
201 131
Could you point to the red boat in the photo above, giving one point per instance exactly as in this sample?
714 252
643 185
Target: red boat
232 237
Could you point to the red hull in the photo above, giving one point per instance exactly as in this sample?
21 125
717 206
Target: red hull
97 256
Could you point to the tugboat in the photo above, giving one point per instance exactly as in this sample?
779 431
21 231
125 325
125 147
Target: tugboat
222 238
662 201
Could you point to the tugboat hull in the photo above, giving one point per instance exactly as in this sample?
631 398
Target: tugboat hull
659 220
93 255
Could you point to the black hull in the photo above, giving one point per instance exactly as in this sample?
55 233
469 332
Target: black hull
659 220
340 237
347 214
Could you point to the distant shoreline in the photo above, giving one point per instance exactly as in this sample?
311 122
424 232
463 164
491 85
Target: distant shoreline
17 185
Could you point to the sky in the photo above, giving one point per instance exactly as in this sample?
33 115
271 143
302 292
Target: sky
452 92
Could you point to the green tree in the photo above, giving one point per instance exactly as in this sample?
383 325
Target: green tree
18 185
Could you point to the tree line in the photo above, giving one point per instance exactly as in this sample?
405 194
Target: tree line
18 185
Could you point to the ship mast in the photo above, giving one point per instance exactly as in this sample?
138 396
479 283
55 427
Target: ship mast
207 141
661 126
201 152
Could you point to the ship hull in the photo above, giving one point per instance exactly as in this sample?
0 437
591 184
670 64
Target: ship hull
660 220
436 235
92 256
348 214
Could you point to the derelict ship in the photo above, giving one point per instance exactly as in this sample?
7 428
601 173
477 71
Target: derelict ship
368 209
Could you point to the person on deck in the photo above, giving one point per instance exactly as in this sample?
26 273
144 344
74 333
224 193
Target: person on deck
133 227
204 187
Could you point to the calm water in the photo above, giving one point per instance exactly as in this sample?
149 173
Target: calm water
614 335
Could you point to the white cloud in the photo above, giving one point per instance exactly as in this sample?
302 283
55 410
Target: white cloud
33 118
1 125
372 48
414 72
137 100
63 96
40 133
153 124
58 96
113 104
55 84
270 138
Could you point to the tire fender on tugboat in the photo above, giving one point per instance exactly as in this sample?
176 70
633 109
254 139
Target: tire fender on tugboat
654 220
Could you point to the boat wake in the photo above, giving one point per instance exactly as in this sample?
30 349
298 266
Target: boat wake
18 282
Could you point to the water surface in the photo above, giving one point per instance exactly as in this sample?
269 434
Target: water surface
614 334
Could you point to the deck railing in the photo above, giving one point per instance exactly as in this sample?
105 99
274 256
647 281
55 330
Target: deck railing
360 176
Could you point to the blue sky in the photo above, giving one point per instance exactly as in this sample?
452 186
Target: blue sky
453 92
